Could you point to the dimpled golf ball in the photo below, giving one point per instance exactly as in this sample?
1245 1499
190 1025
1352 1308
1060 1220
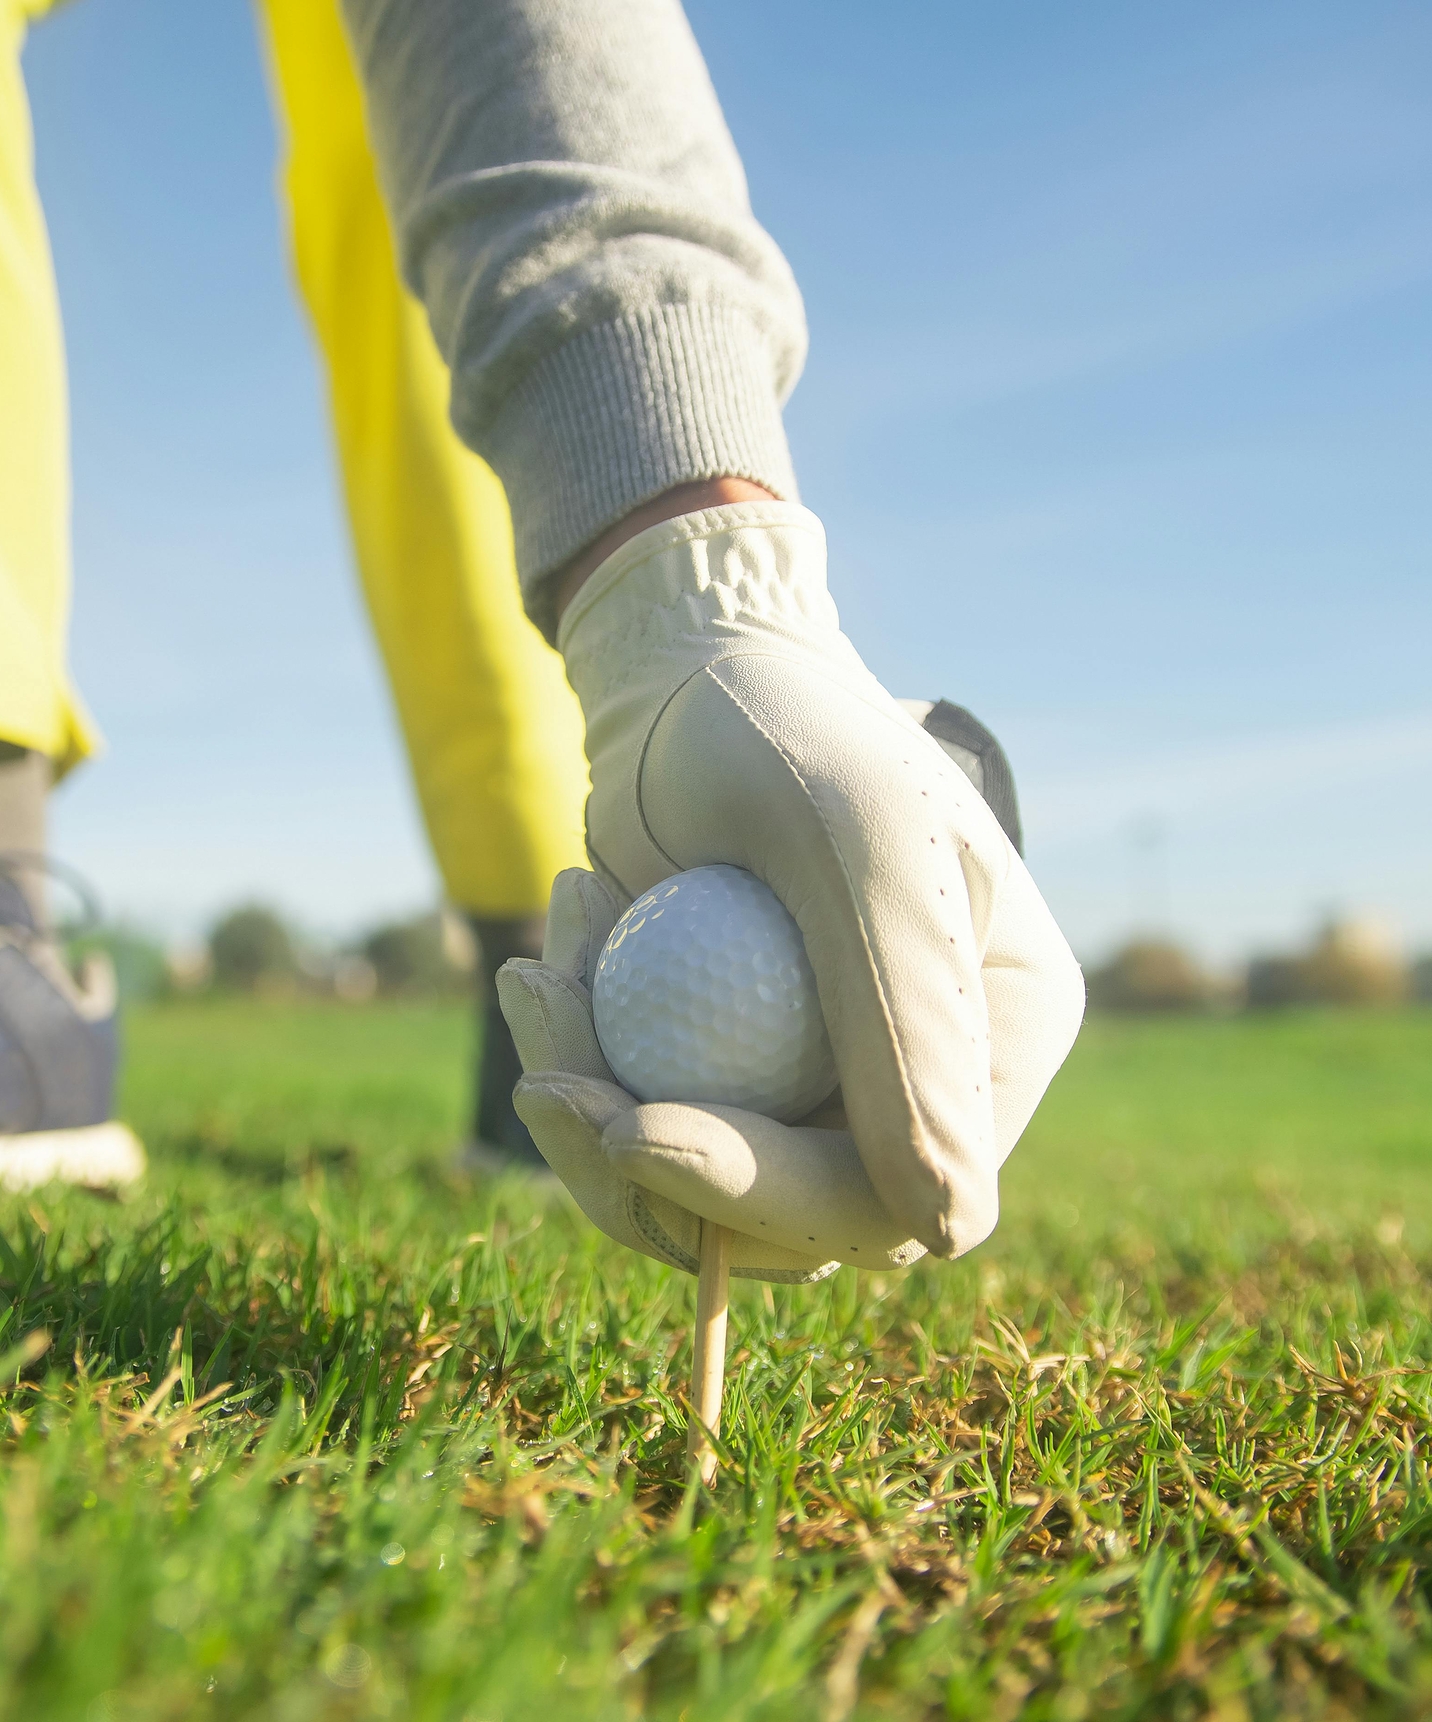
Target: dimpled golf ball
704 993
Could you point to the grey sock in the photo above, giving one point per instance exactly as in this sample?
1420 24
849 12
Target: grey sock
24 790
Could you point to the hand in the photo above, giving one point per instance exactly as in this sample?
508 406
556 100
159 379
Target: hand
798 1199
729 720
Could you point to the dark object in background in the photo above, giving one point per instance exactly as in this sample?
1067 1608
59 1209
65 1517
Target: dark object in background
1150 975
1422 980
499 1137
1275 982
253 951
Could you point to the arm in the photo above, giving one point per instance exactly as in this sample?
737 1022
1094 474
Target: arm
570 208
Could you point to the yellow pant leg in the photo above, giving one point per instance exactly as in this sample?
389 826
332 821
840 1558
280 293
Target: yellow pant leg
492 728
38 706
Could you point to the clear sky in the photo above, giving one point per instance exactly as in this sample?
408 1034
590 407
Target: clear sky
1117 413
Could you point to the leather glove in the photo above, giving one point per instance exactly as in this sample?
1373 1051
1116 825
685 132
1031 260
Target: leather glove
729 720
634 1168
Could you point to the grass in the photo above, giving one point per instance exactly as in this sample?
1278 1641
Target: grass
311 1427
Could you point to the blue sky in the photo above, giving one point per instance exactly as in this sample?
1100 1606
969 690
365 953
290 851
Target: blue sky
1117 413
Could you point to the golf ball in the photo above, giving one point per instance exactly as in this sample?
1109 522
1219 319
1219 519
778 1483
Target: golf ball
704 992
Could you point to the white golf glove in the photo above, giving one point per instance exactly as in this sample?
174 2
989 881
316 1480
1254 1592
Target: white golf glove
729 720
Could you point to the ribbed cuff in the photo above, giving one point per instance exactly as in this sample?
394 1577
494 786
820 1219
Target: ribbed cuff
624 411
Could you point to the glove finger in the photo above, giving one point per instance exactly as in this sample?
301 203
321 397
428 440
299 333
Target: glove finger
802 1189
550 1016
567 1115
595 1104
580 918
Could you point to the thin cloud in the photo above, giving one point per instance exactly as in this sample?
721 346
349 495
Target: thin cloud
1079 806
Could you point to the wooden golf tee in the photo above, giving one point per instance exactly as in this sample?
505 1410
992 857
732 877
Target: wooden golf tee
709 1344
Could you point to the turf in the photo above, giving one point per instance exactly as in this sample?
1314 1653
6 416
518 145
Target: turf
310 1426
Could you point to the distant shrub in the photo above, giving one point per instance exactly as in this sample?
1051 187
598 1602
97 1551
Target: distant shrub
1150 975
1420 978
1354 962
251 950
1349 963
414 958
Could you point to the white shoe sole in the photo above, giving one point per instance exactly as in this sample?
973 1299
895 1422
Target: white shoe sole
97 1155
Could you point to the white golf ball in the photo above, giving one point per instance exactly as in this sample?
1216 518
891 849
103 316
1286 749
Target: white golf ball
704 993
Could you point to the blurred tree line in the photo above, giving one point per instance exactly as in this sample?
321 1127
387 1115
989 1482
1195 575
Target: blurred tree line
1348 962
252 949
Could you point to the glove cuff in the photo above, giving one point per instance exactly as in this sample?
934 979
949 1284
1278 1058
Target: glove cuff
694 589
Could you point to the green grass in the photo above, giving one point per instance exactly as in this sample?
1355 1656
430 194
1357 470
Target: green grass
321 1429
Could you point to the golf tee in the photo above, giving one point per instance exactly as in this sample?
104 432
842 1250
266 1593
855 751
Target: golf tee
709 1346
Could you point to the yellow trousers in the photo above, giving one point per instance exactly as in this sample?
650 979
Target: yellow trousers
492 728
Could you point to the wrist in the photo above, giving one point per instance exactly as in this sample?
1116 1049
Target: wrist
681 499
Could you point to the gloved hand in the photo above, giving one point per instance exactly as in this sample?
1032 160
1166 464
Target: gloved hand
729 720
645 1173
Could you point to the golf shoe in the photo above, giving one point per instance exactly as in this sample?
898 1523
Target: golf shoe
58 1056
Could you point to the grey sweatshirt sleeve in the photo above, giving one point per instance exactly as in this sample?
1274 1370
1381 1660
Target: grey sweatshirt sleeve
570 208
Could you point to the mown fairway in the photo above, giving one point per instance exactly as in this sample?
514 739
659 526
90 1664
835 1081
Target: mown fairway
323 1430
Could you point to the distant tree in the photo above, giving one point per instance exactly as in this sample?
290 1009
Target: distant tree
1348 963
1150 975
1422 979
1355 962
251 950
414 958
